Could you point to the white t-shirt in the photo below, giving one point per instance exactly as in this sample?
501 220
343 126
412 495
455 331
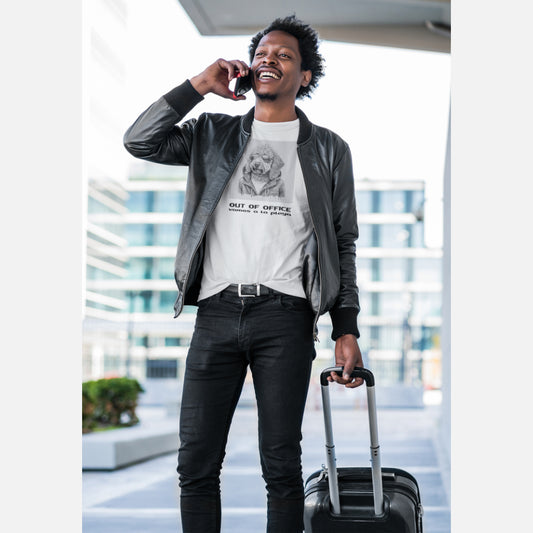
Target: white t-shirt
259 228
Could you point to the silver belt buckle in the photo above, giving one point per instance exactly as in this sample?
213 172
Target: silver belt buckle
239 287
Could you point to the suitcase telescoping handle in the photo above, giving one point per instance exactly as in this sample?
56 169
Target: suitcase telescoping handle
375 455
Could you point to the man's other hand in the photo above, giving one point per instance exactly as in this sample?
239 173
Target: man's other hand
348 355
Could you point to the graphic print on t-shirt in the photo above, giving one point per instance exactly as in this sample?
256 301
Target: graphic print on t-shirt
265 173
261 174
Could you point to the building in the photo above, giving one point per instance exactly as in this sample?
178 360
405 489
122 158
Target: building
152 226
104 176
398 275
132 229
400 284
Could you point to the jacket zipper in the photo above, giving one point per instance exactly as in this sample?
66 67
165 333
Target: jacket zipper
317 314
186 279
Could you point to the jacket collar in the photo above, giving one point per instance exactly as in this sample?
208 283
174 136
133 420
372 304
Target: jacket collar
306 126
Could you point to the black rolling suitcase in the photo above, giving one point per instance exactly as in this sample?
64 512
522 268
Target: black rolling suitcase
360 500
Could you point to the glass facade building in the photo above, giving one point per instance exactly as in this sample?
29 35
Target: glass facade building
157 343
400 283
133 221
399 280
104 175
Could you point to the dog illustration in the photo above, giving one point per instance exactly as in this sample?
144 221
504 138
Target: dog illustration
262 174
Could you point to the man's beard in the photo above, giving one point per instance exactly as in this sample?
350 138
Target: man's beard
266 97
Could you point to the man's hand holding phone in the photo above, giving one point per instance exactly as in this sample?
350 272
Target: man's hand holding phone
243 84
217 77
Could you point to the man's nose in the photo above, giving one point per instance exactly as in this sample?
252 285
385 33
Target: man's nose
269 59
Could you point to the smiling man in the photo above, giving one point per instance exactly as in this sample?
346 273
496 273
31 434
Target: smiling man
267 246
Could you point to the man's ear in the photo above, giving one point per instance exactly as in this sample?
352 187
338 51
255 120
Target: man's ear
307 75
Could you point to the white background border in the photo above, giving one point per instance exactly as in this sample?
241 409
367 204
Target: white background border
492 266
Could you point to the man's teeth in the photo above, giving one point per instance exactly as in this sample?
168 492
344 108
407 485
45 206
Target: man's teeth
264 75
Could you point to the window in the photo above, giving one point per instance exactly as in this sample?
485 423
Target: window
364 339
390 338
156 201
395 236
161 368
140 341
95 273
365 303
140 302
393 269
166 234
140 268
141 201
165 267
425 337
365 236
169 201
427 269
393 202
426 304
363 201
140 234
417 235
95 206
364 270
393 304
416 201
166 301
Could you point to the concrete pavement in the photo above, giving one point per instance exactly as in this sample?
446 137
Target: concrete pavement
143 498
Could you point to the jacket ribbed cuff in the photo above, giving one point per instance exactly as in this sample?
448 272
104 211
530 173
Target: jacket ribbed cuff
183 98
344 321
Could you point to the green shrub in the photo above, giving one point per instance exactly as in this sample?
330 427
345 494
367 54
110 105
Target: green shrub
109 402
87 407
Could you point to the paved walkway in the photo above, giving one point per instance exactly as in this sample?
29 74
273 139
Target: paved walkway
143 498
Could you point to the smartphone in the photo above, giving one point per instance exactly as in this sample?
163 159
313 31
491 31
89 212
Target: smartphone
243 84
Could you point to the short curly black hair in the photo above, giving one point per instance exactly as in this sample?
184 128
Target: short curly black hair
308 42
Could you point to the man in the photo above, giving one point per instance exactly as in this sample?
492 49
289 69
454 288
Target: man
260 267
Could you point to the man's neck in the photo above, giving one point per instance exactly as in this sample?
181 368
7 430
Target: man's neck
272 111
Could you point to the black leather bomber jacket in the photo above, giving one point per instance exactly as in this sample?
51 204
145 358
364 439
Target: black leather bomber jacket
211 146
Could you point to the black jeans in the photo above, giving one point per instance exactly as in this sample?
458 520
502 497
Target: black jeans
274 335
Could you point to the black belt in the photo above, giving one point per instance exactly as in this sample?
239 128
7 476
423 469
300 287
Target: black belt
249 290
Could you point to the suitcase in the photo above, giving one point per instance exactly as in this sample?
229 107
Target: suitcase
360 499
